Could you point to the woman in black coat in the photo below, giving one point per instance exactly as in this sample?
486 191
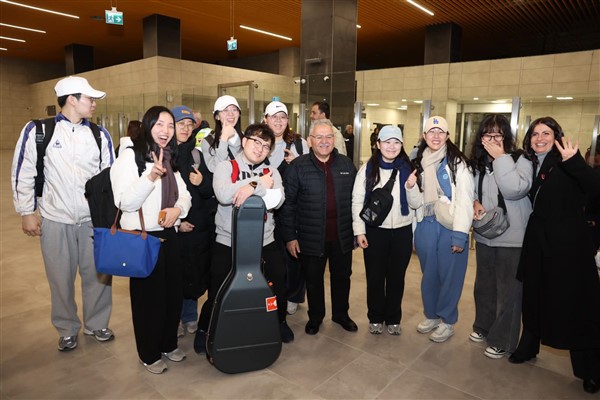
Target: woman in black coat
561 289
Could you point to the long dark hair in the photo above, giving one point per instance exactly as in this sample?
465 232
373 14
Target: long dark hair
144 144
453 155
373 177
558 135
494 123
219 128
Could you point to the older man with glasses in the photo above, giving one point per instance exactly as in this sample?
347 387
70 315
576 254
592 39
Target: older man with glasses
317 224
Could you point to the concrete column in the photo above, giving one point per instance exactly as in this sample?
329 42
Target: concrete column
442 43
162 36
328 56
78 58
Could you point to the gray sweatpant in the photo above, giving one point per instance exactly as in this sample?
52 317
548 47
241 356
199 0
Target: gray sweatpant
65 248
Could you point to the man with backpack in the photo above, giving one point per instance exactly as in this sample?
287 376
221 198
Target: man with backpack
53 160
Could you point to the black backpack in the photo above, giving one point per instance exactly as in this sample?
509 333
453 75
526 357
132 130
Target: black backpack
99 194
42 139
378 205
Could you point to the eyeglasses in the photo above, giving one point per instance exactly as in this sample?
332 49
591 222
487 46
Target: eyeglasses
489 137
259 145
230 110
184 125
436 132
278 118
91 99
323 137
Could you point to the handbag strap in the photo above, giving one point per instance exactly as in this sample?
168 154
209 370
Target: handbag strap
390 183
113 228
501 203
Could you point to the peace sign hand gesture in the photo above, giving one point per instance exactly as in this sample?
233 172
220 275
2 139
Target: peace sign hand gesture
157 169
569 150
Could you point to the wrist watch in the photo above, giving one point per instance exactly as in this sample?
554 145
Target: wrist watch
253 184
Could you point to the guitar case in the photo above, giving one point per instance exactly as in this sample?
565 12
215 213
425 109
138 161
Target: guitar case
244 334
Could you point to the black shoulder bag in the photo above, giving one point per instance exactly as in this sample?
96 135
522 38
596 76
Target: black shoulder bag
379 204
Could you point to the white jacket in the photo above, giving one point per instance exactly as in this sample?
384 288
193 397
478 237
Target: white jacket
395 219
132 191
71 159
462 199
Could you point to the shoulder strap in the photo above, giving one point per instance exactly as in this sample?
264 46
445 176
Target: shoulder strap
235 171
96 132
501 202
298 144
390 183
43 134
289 146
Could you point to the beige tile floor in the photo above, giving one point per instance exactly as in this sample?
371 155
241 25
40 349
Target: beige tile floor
334 364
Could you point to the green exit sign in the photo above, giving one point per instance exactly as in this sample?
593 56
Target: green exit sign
113 16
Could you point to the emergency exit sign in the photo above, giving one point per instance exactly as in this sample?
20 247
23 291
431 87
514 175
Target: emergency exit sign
113 17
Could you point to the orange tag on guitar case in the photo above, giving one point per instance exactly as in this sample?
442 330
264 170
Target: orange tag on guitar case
271 303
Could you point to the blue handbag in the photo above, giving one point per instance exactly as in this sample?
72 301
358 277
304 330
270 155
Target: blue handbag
125 253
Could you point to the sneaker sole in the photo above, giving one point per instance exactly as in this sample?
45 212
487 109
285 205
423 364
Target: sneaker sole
474 339
174 359
440 340
494 355
65 349
98 338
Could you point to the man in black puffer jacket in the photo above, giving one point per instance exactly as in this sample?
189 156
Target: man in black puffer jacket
317 224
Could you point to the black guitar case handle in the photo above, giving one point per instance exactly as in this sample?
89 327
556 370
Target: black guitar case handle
244 327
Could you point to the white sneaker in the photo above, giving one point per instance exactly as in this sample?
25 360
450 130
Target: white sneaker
375 328
476 337
191 327
442 333
176 355
427 325
157 367
394 329
180 330
292 307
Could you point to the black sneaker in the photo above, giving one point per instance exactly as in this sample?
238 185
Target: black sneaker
200 342
286 332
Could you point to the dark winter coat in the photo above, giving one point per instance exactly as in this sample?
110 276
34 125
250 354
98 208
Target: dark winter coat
561 288
303 215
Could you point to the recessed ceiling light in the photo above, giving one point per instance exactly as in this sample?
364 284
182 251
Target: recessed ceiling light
549 96
13 39
419 101
402 108
403 99
420 7
3 49
358 26
475 98
265 32
373 104
564 98
14 3
501 101
22 27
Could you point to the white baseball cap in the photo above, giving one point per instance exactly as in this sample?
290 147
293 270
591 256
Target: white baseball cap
274 107
436 122
225 101
390 132
74 85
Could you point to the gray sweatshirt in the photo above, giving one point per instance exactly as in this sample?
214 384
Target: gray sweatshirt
514 181
225 190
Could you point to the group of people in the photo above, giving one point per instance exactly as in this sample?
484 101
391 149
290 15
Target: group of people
540 266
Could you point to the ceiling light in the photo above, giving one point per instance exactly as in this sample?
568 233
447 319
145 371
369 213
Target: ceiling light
39 9
265 32
13 39
475 98
402 108
419 101
420 7
373 104
564 98
358 26
501 101
3 49
22 27
549 96
403 99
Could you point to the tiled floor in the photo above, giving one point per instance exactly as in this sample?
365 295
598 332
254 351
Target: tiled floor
334 364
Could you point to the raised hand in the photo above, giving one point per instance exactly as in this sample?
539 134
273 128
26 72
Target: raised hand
266 180
412 180
196 177
569 150
157 169
493 148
